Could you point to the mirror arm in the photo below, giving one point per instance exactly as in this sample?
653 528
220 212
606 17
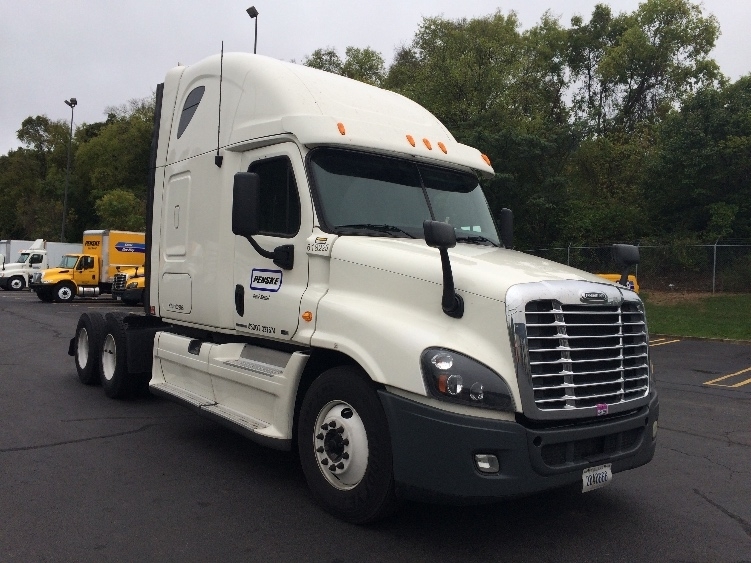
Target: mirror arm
283 256
451 302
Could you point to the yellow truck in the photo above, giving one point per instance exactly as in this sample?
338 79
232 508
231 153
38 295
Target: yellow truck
91 273
129 286
632 283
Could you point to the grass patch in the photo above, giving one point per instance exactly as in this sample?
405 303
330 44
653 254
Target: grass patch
699 314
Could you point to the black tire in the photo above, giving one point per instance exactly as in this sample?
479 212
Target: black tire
89 336
65 292
16 283
113 367
45 295
361 488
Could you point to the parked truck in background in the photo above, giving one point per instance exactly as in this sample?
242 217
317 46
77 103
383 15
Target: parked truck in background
130 286
91 272
33 257
9 248
324 273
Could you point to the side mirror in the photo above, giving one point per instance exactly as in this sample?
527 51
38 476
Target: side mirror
625 256
442 236
506 220
246 199
439 234
246 203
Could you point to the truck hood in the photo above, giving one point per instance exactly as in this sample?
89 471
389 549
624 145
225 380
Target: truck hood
483 270
12 267
54 272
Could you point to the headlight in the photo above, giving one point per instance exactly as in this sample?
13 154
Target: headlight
132 284
454 377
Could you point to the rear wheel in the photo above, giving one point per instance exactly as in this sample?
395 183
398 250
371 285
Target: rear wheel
89 334
65 292
345 446
16 283
113 367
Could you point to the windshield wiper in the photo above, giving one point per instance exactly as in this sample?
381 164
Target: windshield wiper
475 239
388 229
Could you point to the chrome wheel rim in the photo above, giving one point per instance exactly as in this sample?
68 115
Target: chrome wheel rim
109 353
340 445
82 348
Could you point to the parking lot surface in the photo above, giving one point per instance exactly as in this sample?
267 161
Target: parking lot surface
86 478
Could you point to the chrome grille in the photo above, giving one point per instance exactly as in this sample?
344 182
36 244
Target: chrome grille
586 355
119 281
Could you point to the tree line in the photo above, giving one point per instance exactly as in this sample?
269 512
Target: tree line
613 128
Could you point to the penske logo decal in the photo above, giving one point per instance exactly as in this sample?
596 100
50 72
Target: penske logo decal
265 280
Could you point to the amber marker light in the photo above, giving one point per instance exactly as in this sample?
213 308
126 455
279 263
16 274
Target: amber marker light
442 147
307 316
427 144
341 128
486 159
411 140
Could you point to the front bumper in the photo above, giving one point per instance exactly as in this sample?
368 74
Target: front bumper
434 451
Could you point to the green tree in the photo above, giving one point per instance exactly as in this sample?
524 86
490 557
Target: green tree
700 181
365 65
325 59
121 210
636 67
116 158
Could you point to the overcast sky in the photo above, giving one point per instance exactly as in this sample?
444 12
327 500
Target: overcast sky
104 53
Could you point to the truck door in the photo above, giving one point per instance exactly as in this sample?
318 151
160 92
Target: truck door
86 272
267 298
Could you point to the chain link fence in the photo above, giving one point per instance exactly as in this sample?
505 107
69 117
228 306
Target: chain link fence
721 267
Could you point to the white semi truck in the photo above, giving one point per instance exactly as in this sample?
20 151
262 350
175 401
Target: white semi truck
324 274
32 257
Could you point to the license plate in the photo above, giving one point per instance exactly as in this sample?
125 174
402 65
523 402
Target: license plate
596 477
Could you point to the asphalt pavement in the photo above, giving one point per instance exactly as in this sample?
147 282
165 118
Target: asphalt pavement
86 478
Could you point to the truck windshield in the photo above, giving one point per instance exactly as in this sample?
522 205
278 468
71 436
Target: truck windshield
23 257
376 195
68 261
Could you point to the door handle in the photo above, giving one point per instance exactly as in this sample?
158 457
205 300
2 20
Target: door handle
240 300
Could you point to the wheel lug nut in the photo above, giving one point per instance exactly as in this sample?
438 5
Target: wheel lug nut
325 427
345 442
333 468
319 436
345 455
325 461
340 430
320 449
332 424
339 465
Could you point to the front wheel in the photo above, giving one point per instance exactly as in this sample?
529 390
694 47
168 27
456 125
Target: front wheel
45 295
65 292
16 283
345 446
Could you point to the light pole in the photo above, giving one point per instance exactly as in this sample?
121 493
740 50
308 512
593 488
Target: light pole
253 13
71 103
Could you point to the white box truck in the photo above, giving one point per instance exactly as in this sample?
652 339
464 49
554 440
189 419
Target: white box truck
324 274
31 257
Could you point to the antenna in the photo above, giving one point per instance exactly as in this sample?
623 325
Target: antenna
218 158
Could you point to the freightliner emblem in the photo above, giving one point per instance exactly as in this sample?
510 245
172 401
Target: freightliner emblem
593 297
